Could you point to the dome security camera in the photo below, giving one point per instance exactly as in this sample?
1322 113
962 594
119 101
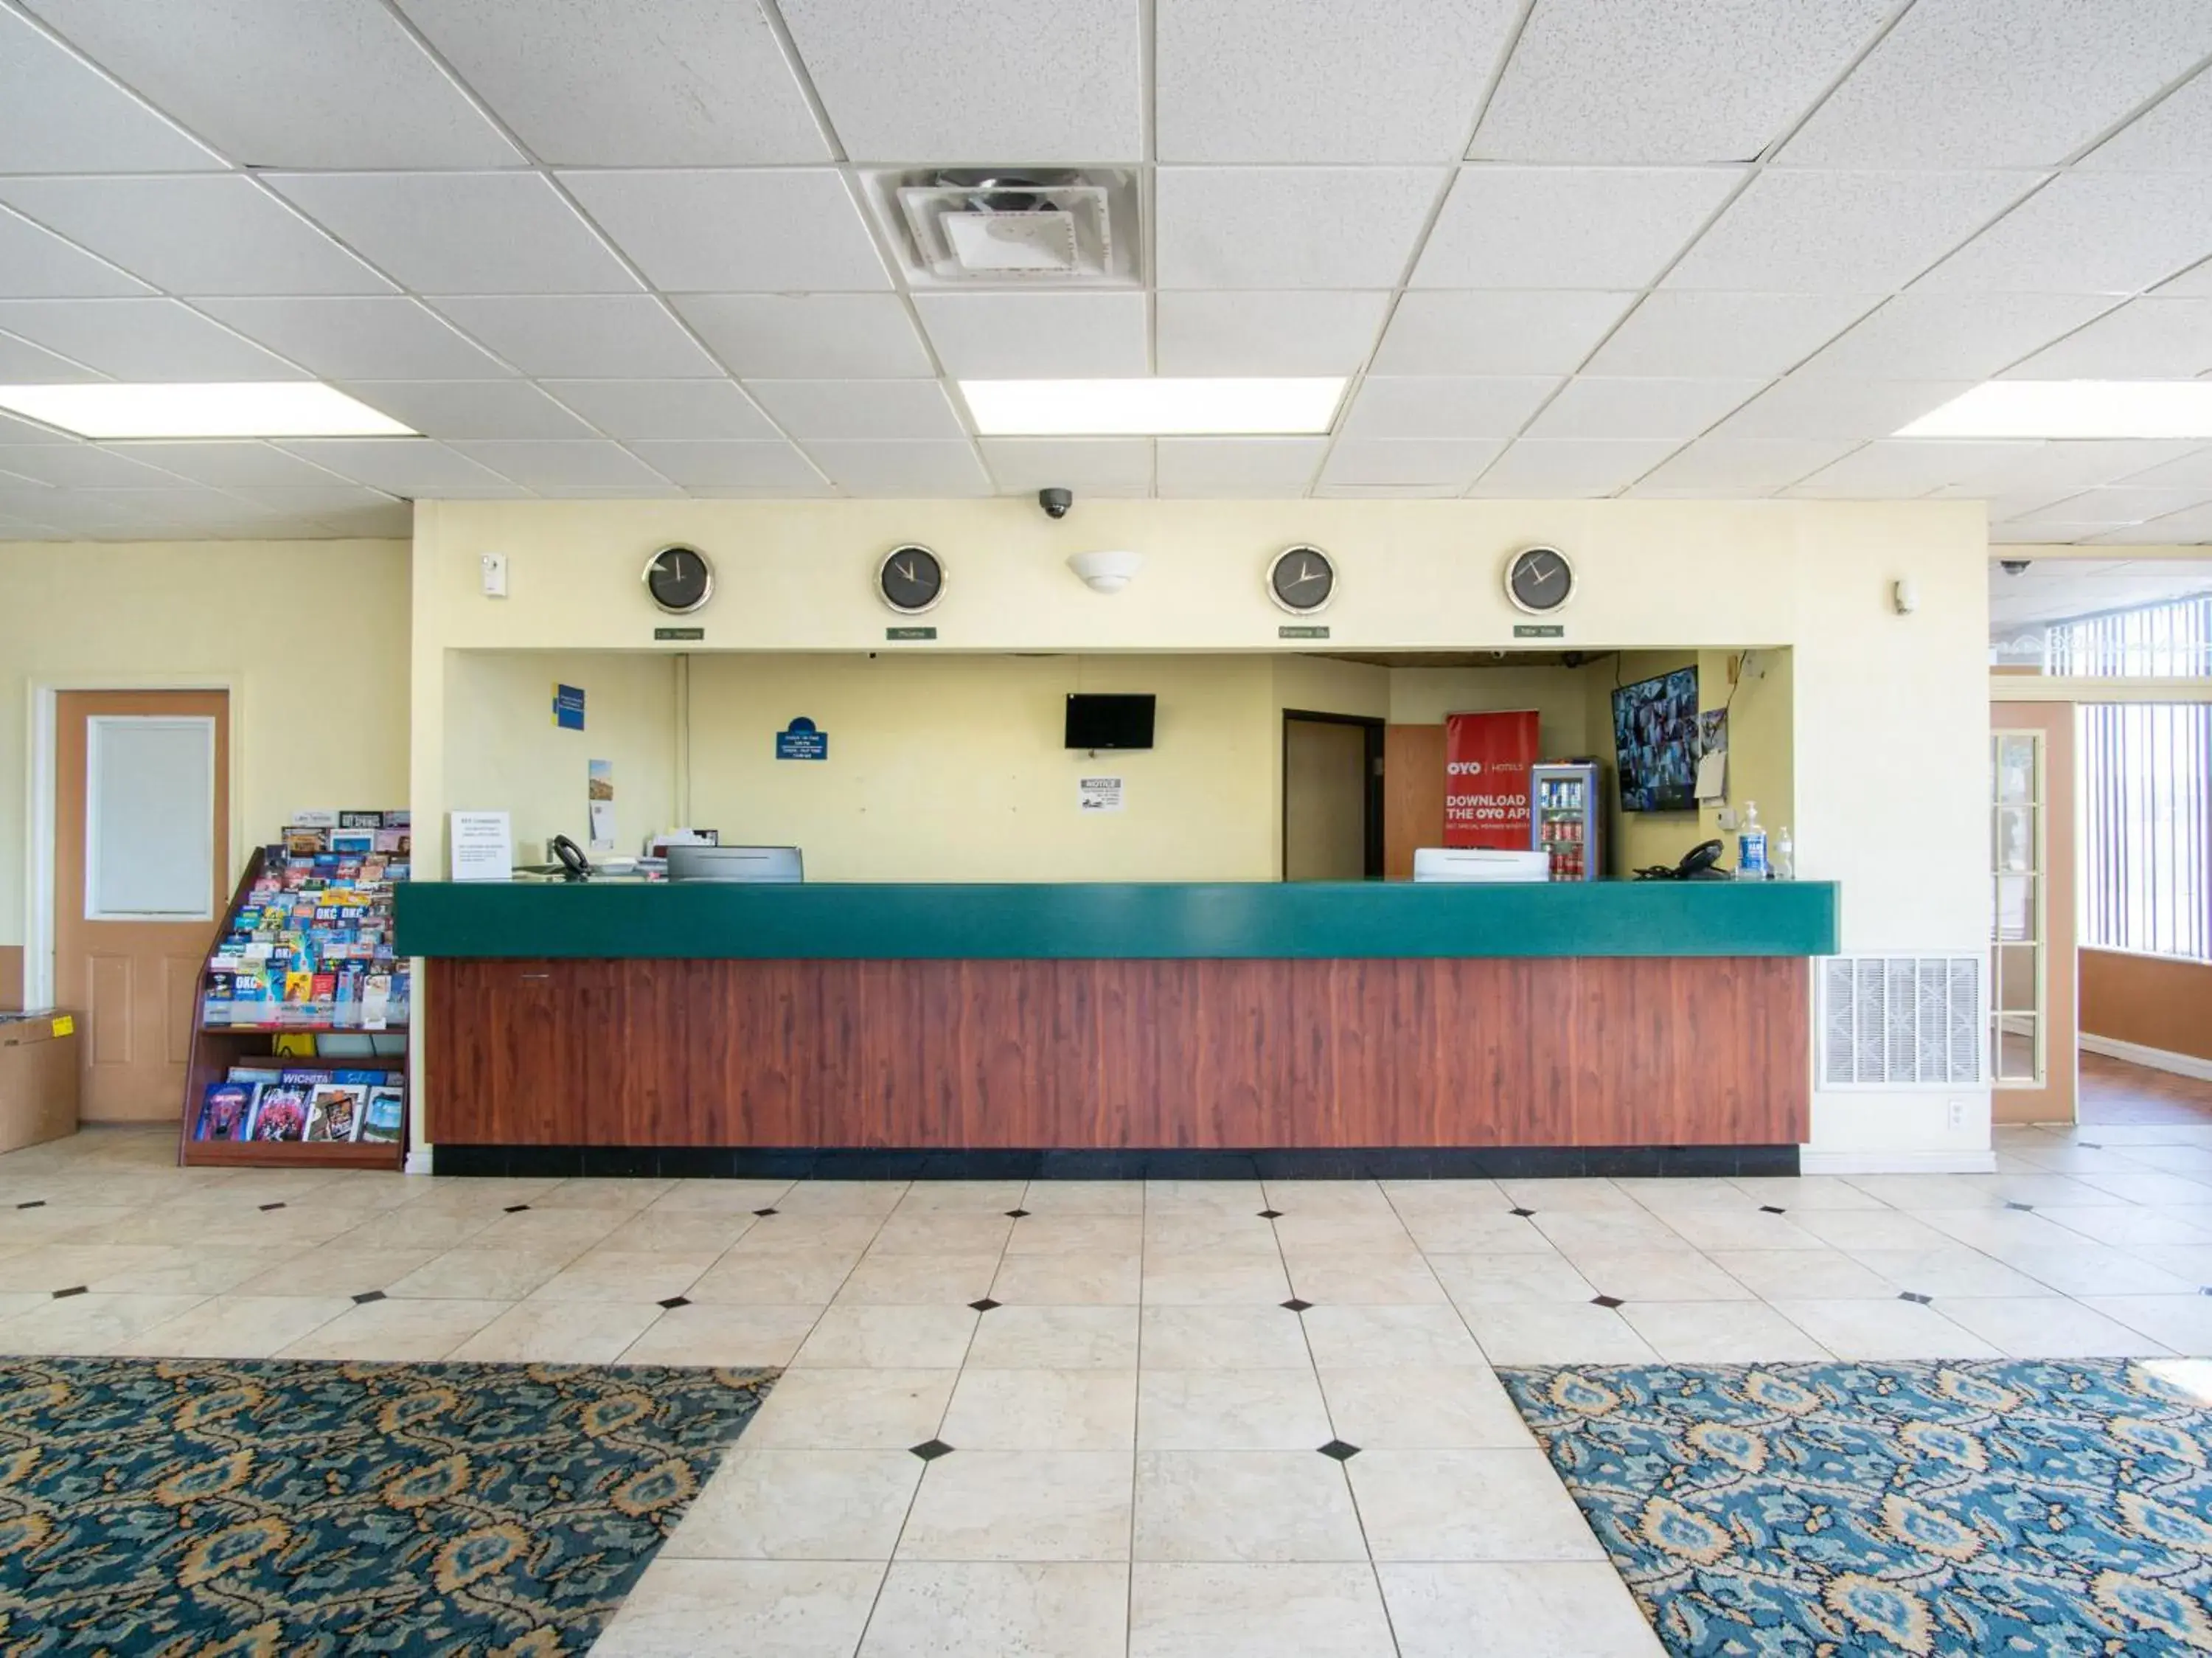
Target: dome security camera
2014 566
1055 502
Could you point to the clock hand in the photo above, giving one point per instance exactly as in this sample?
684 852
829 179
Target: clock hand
907 570
1548 576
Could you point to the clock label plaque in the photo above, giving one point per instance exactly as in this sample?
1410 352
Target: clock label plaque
909 633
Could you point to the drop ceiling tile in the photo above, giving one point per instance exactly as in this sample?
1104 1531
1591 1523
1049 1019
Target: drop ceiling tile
570 462
1699 334
2151 338
2190 468
1676 80
307 502
1413 407
2190 529
275 83
2002 83
1541 227
223 465
673 409
866 411
1839 233
1037 336
773 466
1590 408
1260 468
415 468
2176 136
1968 336
461 233
394 521
2106 460
1495 331
2194 283
584 336
2089 233
81 465
611 83
1313 331
1088 466
1722 467
35 263
388 338
903 471
141 339
1386 463
978 81
59 114
1804 405
22 364
469 408
2036 535
718 232
809 336
13 430
2126 504
1913 467
1257 81
1535 469
1283 227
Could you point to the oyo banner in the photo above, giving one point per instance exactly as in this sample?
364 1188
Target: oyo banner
1487 761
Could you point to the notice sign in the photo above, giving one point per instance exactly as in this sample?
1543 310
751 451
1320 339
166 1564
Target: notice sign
1097 794
482 845
568 707
1487 761
800 741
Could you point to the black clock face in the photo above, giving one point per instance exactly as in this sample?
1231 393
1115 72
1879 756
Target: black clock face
1539 579
679 579
911 579
1301 580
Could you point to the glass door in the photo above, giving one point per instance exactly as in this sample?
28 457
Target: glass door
2018 1056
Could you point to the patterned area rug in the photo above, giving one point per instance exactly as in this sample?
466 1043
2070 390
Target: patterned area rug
2012 1506
265 1508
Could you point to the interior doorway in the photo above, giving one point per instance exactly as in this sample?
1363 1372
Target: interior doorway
2033 992
1332 797
141 839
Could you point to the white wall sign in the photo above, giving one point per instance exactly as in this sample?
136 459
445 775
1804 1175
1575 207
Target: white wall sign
1098 793
483 846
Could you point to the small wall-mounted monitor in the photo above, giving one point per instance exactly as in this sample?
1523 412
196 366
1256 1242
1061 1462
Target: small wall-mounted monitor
779 864
1117 722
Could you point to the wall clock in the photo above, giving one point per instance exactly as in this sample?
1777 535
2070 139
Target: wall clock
679 579
1301 580
1539 580
911 580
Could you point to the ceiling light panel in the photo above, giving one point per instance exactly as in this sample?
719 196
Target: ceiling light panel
2073 408
1549 227
1135 407
281 409
1277 226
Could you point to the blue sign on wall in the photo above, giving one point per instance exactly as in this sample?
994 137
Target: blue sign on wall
568 707
799 741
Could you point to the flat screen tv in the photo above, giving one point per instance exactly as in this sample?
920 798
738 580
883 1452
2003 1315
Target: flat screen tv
1655 740
1097 722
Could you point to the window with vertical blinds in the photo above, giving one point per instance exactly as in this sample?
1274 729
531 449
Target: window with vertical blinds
2147 768
2172 640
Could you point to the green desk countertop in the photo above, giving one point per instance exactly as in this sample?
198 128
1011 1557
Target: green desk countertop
1079 920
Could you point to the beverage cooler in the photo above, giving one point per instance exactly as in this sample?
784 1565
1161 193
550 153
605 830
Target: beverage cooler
1566 816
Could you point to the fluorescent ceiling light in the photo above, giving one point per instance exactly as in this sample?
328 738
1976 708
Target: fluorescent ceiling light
1152 408
2073 408
284 408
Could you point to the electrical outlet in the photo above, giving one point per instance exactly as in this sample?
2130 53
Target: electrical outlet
1958 1114
494 566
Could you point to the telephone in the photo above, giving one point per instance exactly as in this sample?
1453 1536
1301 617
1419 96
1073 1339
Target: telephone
576 866
1696 865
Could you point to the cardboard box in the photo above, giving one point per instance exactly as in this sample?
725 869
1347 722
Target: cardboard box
38 1078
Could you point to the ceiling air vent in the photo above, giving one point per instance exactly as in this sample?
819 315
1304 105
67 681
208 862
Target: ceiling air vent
1014 226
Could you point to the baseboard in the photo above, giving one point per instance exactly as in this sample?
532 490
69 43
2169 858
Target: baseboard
1810 1161
2181 1064
419 1162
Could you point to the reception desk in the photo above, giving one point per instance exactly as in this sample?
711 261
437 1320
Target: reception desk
1096 1029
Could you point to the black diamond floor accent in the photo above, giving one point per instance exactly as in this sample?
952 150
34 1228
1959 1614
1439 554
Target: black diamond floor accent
765 1212
1915 1296
930 1449
1605 1301
2206 1290
1523 1213
674 1301
1295 1305
265 1208
1772 1208
1271 1214
366 1296
35 1203
1018 1214
73 1289
2090 1145
1339 1449
2010 1205
984 1305
515 1209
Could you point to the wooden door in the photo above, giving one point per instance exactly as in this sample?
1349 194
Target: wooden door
1413 794
142 849
2033 973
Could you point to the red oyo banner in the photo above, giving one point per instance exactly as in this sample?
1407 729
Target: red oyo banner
1487 761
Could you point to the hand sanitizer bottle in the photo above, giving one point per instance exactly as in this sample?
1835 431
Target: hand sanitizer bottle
1785 857
1750 845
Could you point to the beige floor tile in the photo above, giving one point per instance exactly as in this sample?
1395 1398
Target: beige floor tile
761 1608
942 1233
1748 1228
88 1324
490 1193
1828 1274
420 1227
895 1338
1351 1234
1244 1505
809 1234
1664 1195
2134 1228
2047 1326
1232 1411
1240 1197
1555 1334
1422 1407
236 1326
1719 1332
1674 1275
1212 1279
733 1198
549 1228
852 1410
1604 1231
187 1271
2182 1323
560 1332
602 1191
473 1273
941 1609
1920 1192
1367 1280
1854 1231
338 1268
1884 1330
678 1231
845 1198
962 1197
1085 1198
1070 1280
1222 1611
1222 1338
395 1330
1560 1610
1798 1192
2002 1231
1362 1337
778 1280
1043 1410
1070 1232
1199 1231
1545 1277
1478 1232
1055 1338
25 1228
621 1274
800 1505
2093 1269
1021 1505
70 1265
1352 1197
21 1300
1468 1505
1552 1197
1950 1271
724 1334
882 1280
1413 1198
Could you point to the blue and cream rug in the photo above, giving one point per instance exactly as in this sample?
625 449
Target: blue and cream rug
264 1508
2006 1507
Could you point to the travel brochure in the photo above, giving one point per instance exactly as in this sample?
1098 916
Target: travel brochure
310 947
307 1105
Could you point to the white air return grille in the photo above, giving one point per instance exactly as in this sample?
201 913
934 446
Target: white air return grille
1902 1021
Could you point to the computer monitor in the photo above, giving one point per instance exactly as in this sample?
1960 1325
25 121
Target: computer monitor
755 863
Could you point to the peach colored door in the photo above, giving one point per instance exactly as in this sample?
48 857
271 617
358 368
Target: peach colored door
2033 974
141 841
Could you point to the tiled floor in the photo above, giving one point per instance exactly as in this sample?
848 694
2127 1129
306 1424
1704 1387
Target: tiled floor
1150 1454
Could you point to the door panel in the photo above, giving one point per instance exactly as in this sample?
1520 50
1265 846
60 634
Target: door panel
2032 967
1413 794
1325 785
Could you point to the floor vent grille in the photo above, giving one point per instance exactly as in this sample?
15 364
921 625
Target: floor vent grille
1902 1021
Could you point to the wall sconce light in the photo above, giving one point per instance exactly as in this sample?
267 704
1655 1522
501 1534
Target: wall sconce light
1106 571
1906 595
